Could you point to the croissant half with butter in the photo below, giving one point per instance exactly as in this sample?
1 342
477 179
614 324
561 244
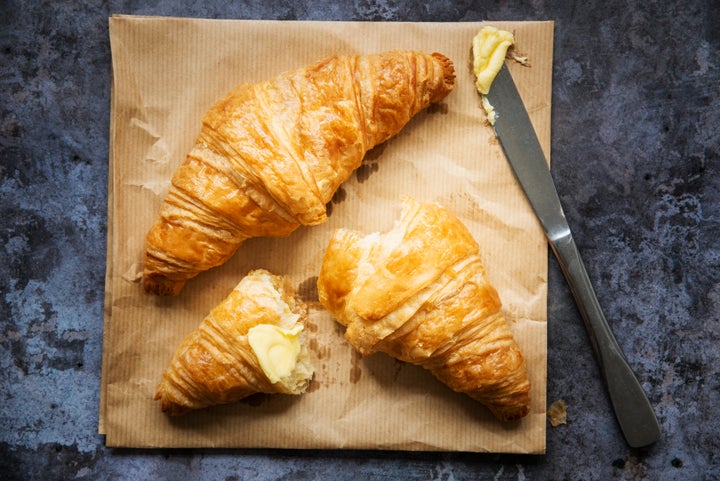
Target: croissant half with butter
251 342
420 294
270 156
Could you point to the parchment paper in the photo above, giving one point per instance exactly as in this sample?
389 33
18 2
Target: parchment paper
166 73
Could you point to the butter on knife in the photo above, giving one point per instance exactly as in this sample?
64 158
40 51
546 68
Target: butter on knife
490 47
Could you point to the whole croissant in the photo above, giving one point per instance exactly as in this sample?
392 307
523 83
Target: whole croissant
235 352
420 294
271 155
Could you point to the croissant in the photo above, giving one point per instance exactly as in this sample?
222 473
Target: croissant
270 156
420 294
251 342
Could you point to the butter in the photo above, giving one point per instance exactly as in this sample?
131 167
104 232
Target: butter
276 349
489 110
490 47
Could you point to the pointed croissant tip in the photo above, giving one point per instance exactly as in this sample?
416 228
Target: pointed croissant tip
166 405
448 76
510 413
160 285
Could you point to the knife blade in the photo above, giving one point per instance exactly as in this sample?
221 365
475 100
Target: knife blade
521 147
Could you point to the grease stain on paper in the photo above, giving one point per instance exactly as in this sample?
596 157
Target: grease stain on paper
311 326
355 370
365 170
370 163
313 386
307 289
321 351
338 197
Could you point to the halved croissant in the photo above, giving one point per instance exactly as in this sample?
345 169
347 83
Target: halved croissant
420 294
251 342
271 155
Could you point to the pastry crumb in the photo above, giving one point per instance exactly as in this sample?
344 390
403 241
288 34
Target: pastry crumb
519 58
557 413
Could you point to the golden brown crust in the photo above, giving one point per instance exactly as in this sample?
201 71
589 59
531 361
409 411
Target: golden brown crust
397 277
215 364
270 156
420 294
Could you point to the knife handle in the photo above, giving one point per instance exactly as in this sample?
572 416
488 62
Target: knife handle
632 408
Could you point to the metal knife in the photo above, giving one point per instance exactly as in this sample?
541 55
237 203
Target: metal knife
521 147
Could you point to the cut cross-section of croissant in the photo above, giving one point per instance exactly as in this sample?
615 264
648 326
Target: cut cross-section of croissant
251 342
270 156
420 294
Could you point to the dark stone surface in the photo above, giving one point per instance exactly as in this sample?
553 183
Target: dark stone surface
636 154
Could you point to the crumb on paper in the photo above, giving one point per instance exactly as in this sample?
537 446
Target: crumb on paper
557 413
521 59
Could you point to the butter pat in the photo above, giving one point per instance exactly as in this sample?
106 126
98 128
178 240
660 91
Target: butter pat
276 349
490 47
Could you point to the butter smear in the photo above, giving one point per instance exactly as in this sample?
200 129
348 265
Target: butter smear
489 48
276 349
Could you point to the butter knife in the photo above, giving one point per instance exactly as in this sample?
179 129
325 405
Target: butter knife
521 147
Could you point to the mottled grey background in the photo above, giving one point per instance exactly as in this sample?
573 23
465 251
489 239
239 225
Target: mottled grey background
636 154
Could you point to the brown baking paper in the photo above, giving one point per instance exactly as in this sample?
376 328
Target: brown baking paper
167 72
